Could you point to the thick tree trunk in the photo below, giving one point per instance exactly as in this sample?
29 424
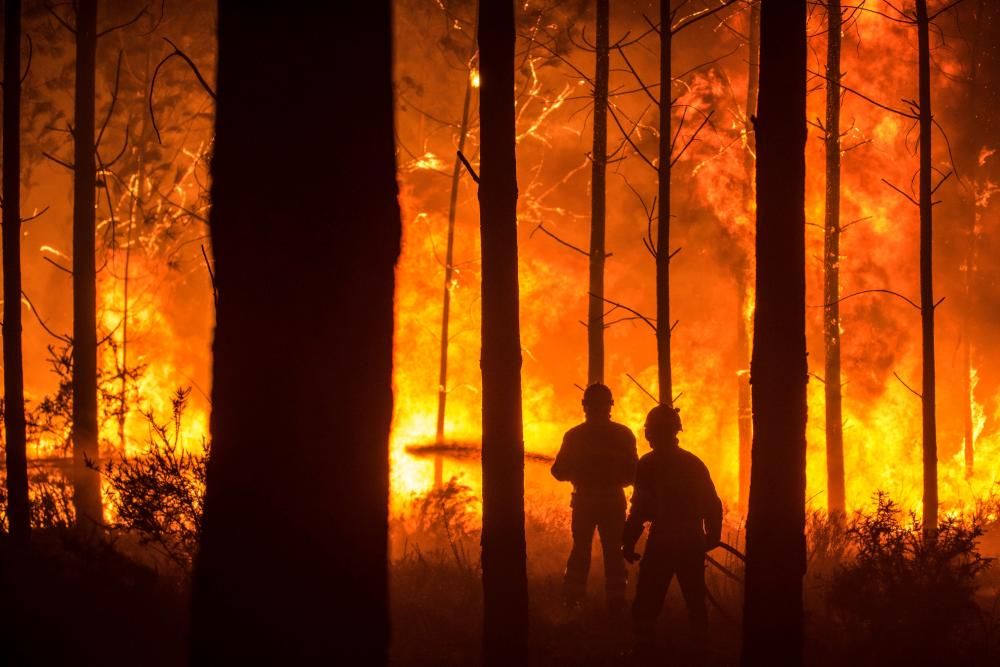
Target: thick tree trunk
928 390
663 322
745 413
599 161
449 273
293 561
505 588
18 506
772 616
86 481
836 501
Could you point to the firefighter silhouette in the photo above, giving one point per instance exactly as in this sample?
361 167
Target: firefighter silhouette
599 458
675 494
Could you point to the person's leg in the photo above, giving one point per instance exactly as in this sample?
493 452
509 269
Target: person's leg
655 573
578 565
691 577
610 528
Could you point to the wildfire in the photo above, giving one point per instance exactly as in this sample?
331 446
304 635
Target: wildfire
714 225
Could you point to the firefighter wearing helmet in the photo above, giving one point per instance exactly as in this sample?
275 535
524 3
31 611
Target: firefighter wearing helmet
675 494
598 457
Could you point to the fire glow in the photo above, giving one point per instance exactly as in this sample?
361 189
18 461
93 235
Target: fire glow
881 352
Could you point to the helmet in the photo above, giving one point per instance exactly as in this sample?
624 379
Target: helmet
597 393
665 416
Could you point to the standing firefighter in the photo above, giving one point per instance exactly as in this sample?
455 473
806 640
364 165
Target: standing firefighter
599 458
673 491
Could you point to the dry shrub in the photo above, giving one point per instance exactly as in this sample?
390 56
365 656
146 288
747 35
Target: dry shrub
907 596
160 495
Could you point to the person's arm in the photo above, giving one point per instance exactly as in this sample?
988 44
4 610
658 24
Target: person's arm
712 513
643 505
565 464
628 460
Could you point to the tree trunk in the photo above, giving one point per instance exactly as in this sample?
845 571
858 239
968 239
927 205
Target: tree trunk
505 590
772 616
599 161
293 561
663 322
836 501
449 273
745 414
928 390
86 481
18 506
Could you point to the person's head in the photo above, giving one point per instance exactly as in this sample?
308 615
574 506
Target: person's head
663 423
597 401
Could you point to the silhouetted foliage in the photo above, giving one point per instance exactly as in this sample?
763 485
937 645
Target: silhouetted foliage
160 495
446 520
906 597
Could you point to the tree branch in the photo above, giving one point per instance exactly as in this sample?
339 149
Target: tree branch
468 167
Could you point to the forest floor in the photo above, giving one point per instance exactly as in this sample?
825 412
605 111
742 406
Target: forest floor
913 604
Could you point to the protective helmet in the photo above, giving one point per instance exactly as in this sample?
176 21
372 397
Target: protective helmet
597 393
665 416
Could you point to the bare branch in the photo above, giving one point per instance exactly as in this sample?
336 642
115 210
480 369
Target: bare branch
114 100
628 137
693 136
941 182
642 84
58 161
468 167
541 227
912 200
697 16
870 291
31 53
38 317
644 390
642 317
941 11
912 390
854 222
35 216
152 86
905 114
211 276
138 16
57 265
62 21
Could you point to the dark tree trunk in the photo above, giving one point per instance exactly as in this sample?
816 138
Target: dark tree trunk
928 388
663 322
18 507
305 230
772 616
505 588
836 501
87 481
599 161
745 414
